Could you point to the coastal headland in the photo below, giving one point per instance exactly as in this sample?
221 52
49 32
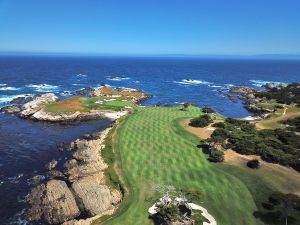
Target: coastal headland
113 176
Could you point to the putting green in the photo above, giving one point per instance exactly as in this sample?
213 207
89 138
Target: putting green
154 150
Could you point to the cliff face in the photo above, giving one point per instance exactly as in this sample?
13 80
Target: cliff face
84 193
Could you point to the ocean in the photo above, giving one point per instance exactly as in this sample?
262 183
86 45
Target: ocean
26 146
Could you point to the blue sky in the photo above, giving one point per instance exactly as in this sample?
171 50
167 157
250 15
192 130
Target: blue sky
192 27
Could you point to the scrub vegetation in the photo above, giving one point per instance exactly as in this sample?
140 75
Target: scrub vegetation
83 104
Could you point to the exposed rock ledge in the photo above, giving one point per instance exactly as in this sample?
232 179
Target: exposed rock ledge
85 192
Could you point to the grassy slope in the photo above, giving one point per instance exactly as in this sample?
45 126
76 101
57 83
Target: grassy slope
155 150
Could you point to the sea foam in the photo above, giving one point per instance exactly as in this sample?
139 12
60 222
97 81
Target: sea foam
261 83
117 78
192 82
4 88
43 87
8 98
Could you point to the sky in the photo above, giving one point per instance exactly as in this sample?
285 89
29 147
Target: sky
147 27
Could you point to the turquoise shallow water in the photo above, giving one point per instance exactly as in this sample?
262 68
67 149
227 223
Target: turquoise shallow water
26 146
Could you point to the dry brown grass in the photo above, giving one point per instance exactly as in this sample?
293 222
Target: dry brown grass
200 132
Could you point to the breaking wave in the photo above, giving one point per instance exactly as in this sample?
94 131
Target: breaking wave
261 83
192 82
43 87
4 88
7 98
117 78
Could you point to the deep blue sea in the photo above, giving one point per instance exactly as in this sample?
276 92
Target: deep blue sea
26 146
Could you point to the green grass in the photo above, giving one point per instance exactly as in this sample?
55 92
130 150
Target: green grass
86 104
154 150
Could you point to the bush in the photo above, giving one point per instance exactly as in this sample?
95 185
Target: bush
207 110
253 164
201 121
216 156
168 212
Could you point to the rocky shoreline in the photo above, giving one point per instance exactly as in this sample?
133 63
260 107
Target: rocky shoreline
80 191
251 100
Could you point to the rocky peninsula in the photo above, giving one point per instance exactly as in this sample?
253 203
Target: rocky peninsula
82 191
87 104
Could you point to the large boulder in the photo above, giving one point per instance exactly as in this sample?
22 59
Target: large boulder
37 104
95 196
52 202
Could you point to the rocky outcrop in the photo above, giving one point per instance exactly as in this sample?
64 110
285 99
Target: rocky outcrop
245 91
86 160
94 195
44 115
86 92
51 165
21 100
86 193
52 202
38 102
248 96
11 109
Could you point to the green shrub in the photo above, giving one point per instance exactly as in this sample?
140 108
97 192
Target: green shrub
207 110
216 156
253 164
201 121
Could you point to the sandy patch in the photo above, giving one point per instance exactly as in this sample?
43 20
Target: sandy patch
201 132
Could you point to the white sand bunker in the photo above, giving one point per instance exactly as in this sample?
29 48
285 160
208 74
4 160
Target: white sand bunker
204 213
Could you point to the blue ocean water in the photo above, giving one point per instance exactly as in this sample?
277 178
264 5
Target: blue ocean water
162 77
26 146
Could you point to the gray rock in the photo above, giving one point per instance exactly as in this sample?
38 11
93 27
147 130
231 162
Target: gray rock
52 202
11 109
51 165
269 86
21 100
86 92
95 196
37 104
55 174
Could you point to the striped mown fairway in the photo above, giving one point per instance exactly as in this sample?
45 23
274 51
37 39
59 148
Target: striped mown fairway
155 150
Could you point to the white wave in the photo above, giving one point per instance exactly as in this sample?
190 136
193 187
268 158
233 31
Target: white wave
81 75
18 219
77 84
65 93
117 78
43 87
261 83
9 88
216 86
8 98
2 85
192 82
